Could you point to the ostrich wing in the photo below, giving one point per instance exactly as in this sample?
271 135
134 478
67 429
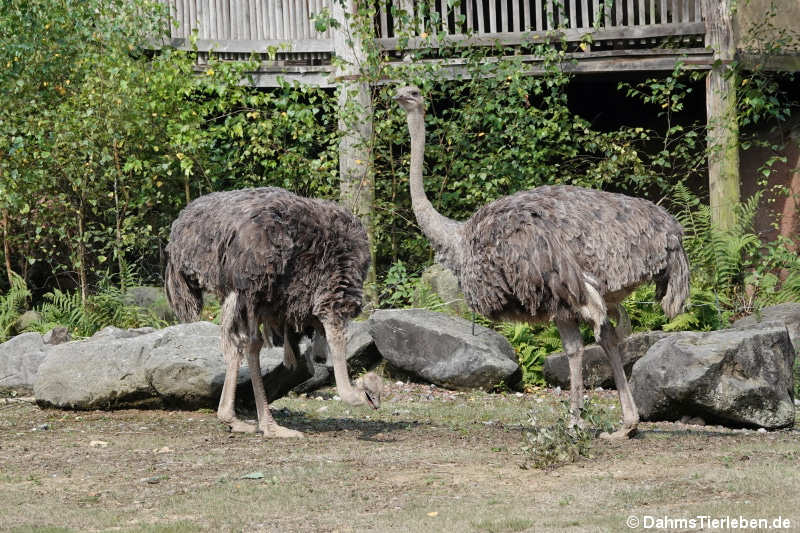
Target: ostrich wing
619 240
516 262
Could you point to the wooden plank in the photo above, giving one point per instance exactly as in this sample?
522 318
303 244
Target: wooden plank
240 46
470 26
642 19
585 13
383 17
458 27
444 14
596 10
698 11
538 12
676 12
573 14
527 24
550 23
629 20
481 21
492 17
286 30
514 23
571 35
685 11
620 10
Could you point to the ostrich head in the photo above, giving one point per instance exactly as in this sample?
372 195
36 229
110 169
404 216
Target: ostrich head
368 390
409 98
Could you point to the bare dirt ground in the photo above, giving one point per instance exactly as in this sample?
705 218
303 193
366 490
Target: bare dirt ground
429 460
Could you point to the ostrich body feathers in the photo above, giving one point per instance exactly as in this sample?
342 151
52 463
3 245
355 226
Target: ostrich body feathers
533 253
296 257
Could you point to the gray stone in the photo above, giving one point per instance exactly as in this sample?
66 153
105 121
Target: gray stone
26 320
362 354
58 335
735 377
596 368
440 281
441 349
178 366
20 358
786 314
153 299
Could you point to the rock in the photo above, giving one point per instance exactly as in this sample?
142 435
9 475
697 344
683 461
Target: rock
441 349
26 320
153 299
438 280
787 314
179 366
362 354
596 368
735 377
20 358
58 335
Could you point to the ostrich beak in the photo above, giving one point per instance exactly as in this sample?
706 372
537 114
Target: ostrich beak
371 400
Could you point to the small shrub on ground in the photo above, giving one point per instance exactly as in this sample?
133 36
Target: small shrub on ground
551 441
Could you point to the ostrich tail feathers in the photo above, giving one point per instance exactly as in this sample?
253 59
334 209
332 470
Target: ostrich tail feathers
673 288
185 299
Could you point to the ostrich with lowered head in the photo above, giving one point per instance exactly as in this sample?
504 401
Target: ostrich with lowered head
280 263
561 253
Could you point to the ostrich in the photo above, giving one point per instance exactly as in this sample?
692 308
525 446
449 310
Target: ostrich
558 253
275 260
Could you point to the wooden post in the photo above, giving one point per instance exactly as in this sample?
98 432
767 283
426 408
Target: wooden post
356 175
723 127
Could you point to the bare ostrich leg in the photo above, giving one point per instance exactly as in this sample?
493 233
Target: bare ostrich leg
608 339
335 334
573 345
232 347
266 424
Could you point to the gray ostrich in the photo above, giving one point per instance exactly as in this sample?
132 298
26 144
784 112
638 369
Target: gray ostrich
558 253
279 261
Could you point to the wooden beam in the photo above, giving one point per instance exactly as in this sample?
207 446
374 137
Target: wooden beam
243 46
722 124
515 38
782 63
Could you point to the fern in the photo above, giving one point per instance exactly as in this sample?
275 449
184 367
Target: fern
12 305
104 308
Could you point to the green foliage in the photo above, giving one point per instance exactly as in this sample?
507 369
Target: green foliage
12 305
734 270
106 307
532 344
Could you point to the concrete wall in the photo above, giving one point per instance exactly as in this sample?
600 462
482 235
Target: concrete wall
750 17
776 209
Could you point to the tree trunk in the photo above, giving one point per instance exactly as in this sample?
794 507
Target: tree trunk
723 127
82 255
118 215
7 248
356 173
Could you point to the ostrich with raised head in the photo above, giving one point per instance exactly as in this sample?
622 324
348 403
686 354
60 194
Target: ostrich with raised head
280 263
560 253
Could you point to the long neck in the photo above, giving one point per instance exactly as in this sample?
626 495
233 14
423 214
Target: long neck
444 233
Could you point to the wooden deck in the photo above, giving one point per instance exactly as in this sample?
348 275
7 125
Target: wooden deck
624 34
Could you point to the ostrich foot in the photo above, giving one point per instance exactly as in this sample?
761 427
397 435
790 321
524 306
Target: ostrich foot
626 432
240 426
280 432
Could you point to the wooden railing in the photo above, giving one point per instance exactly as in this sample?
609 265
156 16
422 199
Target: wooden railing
243 26
514 21
235 27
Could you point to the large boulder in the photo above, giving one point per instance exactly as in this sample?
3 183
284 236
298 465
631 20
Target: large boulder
440 281
596 368
787 314
178 366
735 377
21 356
443 350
